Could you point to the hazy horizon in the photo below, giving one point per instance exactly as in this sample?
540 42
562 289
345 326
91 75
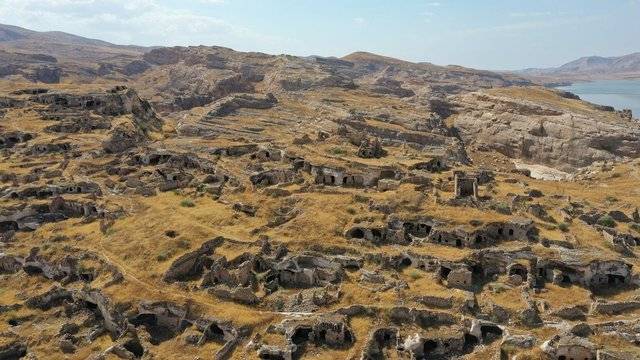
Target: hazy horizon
494 35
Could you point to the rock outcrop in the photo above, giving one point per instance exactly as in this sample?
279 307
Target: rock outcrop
542 134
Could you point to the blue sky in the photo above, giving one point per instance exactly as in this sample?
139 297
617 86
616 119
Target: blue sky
488 34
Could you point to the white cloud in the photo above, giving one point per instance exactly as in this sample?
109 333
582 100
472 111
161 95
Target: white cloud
530 14
359 20
434 4
141 22
427 16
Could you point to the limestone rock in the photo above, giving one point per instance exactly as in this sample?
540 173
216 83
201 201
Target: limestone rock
544 135
230 104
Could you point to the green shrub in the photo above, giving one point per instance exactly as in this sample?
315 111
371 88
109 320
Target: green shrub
278 304
564 227
607 221
415 274
497 288
187 203
183 244
503 208
337 151
360 198
163 256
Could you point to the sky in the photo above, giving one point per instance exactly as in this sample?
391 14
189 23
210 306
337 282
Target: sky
484 34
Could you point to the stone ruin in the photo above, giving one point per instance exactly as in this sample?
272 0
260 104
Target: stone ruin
595 275
48 148
31 217
465 186
240 278
161 320
351 178
447 336
266 154
331 330
273 177
118 101
437 164
565 347
420 231
147 170
371 149
49 191
10 139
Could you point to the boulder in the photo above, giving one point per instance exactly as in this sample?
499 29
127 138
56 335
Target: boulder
13 350
575 312
230 104
53 297
191 265
101 306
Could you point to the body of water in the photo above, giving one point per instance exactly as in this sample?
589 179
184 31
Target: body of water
621 94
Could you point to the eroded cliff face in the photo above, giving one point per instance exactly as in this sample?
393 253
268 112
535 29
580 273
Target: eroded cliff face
551 134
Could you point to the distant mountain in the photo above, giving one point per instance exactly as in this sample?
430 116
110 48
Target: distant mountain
589 68
61 45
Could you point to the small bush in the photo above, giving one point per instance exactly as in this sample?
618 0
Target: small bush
415 274
183 244
503 208
611 199
163 256
351 211
278 304
498 288
635 227
337 151
607 221
564 227
187 203
59 238
360 198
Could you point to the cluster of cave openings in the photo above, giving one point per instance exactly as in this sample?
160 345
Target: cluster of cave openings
509 232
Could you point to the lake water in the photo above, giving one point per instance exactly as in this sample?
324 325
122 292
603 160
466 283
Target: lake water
621 94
